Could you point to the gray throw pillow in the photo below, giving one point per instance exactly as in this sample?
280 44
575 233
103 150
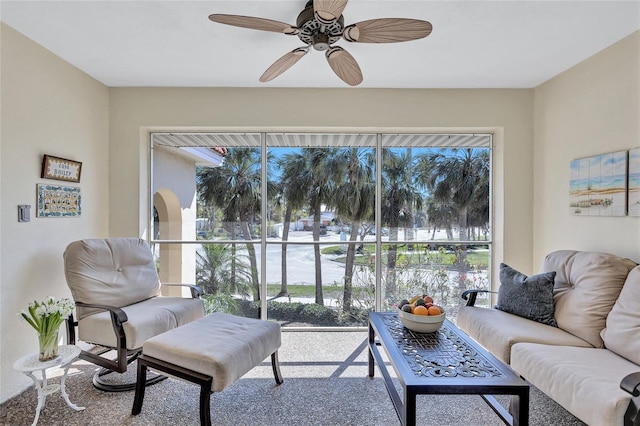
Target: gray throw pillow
528 297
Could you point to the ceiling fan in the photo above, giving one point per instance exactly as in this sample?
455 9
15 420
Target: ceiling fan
320 25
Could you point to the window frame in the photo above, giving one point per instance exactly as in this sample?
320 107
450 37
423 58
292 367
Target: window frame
379 146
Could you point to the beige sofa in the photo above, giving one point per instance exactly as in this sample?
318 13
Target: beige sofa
590 363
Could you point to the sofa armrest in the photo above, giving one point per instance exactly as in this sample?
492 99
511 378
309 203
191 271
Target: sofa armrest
196 291
631 384
470 295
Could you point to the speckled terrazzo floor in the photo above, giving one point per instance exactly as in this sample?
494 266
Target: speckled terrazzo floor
325 383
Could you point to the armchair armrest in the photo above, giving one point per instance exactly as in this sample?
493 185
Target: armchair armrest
470 295
118 316
196 291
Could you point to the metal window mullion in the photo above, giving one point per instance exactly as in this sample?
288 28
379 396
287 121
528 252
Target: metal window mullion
492 298
150 229
263 221
378 224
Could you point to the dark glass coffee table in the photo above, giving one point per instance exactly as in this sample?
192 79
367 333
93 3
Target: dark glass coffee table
444 362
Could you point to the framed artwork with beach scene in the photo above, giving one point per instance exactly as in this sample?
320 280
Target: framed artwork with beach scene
598 185
634 182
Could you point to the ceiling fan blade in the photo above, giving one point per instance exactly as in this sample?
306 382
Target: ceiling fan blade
344 65
387 30
254 23
327 11
283 64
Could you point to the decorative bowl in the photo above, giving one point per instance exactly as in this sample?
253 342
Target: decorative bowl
421 323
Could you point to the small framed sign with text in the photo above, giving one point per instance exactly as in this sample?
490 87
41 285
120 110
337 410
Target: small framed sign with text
60 169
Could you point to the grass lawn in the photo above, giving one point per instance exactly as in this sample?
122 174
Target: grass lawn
309 290
479 258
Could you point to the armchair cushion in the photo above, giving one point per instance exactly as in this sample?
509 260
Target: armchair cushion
146 319
114 271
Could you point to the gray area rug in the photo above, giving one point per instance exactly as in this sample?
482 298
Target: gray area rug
325 383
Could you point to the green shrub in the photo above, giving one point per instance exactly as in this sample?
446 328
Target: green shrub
317 314
220 303
284 310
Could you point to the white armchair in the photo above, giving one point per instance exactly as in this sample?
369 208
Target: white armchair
116 290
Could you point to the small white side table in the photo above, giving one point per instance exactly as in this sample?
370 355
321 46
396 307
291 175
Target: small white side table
30 363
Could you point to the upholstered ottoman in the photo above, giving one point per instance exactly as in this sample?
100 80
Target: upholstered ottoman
212 352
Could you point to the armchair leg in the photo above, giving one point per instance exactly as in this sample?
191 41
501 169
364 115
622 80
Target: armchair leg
118 367
106 386
276 368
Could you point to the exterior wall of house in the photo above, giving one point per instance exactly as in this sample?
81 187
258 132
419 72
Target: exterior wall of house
590 109
48 107
176 175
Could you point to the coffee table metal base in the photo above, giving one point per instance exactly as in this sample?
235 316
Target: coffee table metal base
444 362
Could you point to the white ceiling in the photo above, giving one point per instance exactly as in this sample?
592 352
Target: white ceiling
474 44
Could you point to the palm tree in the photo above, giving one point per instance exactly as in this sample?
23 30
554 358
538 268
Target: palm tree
455 177
291 187
459 178
479 210
309 177
400 196
325 171
354 198
234 187
440 215
213 271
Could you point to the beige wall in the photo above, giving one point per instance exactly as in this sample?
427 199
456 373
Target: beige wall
508 113
593 108
47 107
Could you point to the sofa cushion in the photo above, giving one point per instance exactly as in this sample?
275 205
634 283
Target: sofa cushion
145 320
622 334
587 285
585 381
498 331
528 297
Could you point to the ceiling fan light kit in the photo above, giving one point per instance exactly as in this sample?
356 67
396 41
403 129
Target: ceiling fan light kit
320 25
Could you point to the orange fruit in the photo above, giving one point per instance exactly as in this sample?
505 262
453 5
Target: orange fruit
420 310
434 310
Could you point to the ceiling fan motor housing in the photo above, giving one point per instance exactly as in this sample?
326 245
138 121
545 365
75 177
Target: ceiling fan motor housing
316 34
